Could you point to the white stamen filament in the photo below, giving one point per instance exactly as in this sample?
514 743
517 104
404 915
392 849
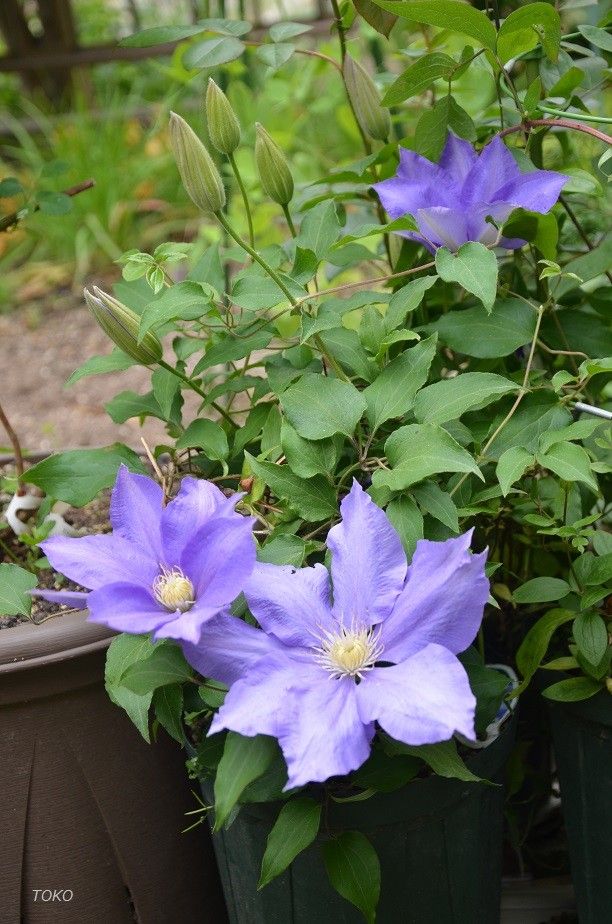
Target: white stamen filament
349 652
173 590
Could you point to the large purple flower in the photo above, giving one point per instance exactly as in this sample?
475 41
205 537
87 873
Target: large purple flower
319 675
165 570
450 201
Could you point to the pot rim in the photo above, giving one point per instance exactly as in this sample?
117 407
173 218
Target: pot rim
70 635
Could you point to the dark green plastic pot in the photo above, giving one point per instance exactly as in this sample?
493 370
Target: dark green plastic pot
582 736
439 842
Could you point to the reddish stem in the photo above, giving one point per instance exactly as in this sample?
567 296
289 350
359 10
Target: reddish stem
560 123
9 220
19 466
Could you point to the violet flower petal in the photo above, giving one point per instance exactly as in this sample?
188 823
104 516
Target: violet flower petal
458 158
422 700
229 648
95 561
368 564
136 509
291 603
126 608
442 601
76 598
536 191
189 511
219 558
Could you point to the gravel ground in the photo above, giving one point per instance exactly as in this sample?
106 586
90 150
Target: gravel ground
40 346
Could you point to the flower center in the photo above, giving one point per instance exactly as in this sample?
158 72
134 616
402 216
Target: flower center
349 651
173 590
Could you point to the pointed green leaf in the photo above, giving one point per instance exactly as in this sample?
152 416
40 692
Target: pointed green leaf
450 398
319 406
512 465
474 267
244 760
294 830
354 871
392 394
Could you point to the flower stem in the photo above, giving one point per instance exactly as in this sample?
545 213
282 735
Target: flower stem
245 198
522 392
19 465
194 387
289 220
559 123
253 253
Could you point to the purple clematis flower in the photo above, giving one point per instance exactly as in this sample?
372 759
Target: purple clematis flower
165 570
450 201
319 675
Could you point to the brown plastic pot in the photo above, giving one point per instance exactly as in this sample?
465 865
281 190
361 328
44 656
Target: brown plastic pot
90 814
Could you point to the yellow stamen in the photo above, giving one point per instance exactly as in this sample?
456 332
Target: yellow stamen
349 651
173 590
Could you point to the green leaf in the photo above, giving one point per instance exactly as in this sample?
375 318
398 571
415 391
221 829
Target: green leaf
523 29
407 520
569 462
281 31
437 503
97 365
206 435
392 394
443 760
244 760
572 690
591 636
166 386
213 52
453 15
231 349
168 706
598 37
54 203
15 582
474 267
314 499
534 646
405 300
124 651
319 406
284 549
78 475
159 35
418 451
600 571
165 665
536 414
184 301
346 347
586 267
9 187
541 590
379 20
579 430
274 55
129 404
307 457
419 76
512 465
294 830
354 871
510 325
450 398
319 229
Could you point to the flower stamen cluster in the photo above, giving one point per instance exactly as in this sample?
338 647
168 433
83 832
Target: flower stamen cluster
173 590
349 652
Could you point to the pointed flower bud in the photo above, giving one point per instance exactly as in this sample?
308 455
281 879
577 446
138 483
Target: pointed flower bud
122 326
373 118
223 126
199 174
272 166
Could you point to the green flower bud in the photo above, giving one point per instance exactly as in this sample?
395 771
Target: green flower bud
373 118
223 126
122 326
272 166
199 174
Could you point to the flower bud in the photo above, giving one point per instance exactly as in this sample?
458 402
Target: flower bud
373 118
199 174
122 326
223 126
272 166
